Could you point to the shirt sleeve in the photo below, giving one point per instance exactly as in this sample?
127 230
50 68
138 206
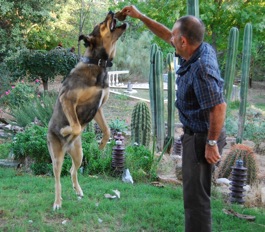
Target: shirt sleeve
208 87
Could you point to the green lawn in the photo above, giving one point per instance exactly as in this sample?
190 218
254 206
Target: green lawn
26 205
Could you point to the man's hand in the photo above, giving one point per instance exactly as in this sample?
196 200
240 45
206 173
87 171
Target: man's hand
212 154
132 11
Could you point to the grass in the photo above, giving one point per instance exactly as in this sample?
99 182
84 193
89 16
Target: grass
4 150
26 205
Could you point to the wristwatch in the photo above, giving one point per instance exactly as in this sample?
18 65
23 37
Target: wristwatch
212 142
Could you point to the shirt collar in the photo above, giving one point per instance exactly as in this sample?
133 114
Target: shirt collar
185 65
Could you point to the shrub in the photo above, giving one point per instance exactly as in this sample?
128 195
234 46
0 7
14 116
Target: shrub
254 127
42 64
139 160
4 80
33 143
18 94
117 125
240 151
67 164
96 161
41 168
39 109
4 150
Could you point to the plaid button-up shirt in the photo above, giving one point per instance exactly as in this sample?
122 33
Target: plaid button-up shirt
200 87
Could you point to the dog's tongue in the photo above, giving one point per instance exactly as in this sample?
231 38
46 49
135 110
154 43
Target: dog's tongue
120 16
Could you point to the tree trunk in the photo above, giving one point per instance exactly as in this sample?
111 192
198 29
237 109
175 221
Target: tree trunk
45 85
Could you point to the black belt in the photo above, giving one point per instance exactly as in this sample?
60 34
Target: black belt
189 131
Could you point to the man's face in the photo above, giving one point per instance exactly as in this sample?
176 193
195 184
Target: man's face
177 40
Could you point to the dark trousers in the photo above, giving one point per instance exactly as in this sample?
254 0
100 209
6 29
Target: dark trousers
197 178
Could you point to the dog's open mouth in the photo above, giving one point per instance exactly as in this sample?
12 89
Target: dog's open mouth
113 24
115 21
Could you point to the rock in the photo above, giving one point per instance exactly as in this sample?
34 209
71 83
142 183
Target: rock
8 163
223 181
247 188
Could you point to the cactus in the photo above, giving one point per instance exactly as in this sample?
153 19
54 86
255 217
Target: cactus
141 124
230 67
159 92
157 96
152 86
171 100
244 80
193 7
239 151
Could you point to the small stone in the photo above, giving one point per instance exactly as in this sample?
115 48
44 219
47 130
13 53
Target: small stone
222 181
64 222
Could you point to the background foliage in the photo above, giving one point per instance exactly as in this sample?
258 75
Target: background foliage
42 25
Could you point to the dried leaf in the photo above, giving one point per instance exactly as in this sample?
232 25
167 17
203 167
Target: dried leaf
110 196
117 193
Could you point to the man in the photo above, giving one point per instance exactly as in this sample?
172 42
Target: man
201 107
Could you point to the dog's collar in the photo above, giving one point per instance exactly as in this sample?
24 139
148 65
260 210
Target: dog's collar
99 62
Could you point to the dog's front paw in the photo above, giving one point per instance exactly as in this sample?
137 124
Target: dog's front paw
66 131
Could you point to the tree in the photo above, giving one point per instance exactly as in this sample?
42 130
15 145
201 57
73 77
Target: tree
40 64
18 18
219 17
165 12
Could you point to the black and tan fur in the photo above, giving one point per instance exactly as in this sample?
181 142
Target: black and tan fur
80 100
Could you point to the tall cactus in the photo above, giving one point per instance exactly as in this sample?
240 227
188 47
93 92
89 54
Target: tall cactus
193 7
159 92
230 67
247 42
157 95
152 86
171 99
141 124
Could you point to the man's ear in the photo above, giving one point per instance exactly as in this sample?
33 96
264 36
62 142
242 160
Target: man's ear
184 41
86 40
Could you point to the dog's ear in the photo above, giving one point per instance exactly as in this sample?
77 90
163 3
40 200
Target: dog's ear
85 39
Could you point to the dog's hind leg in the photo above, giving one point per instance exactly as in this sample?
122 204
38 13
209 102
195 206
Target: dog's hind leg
76 154
101 121
57 155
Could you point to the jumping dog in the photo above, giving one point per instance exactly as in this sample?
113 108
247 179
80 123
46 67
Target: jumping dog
80 100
